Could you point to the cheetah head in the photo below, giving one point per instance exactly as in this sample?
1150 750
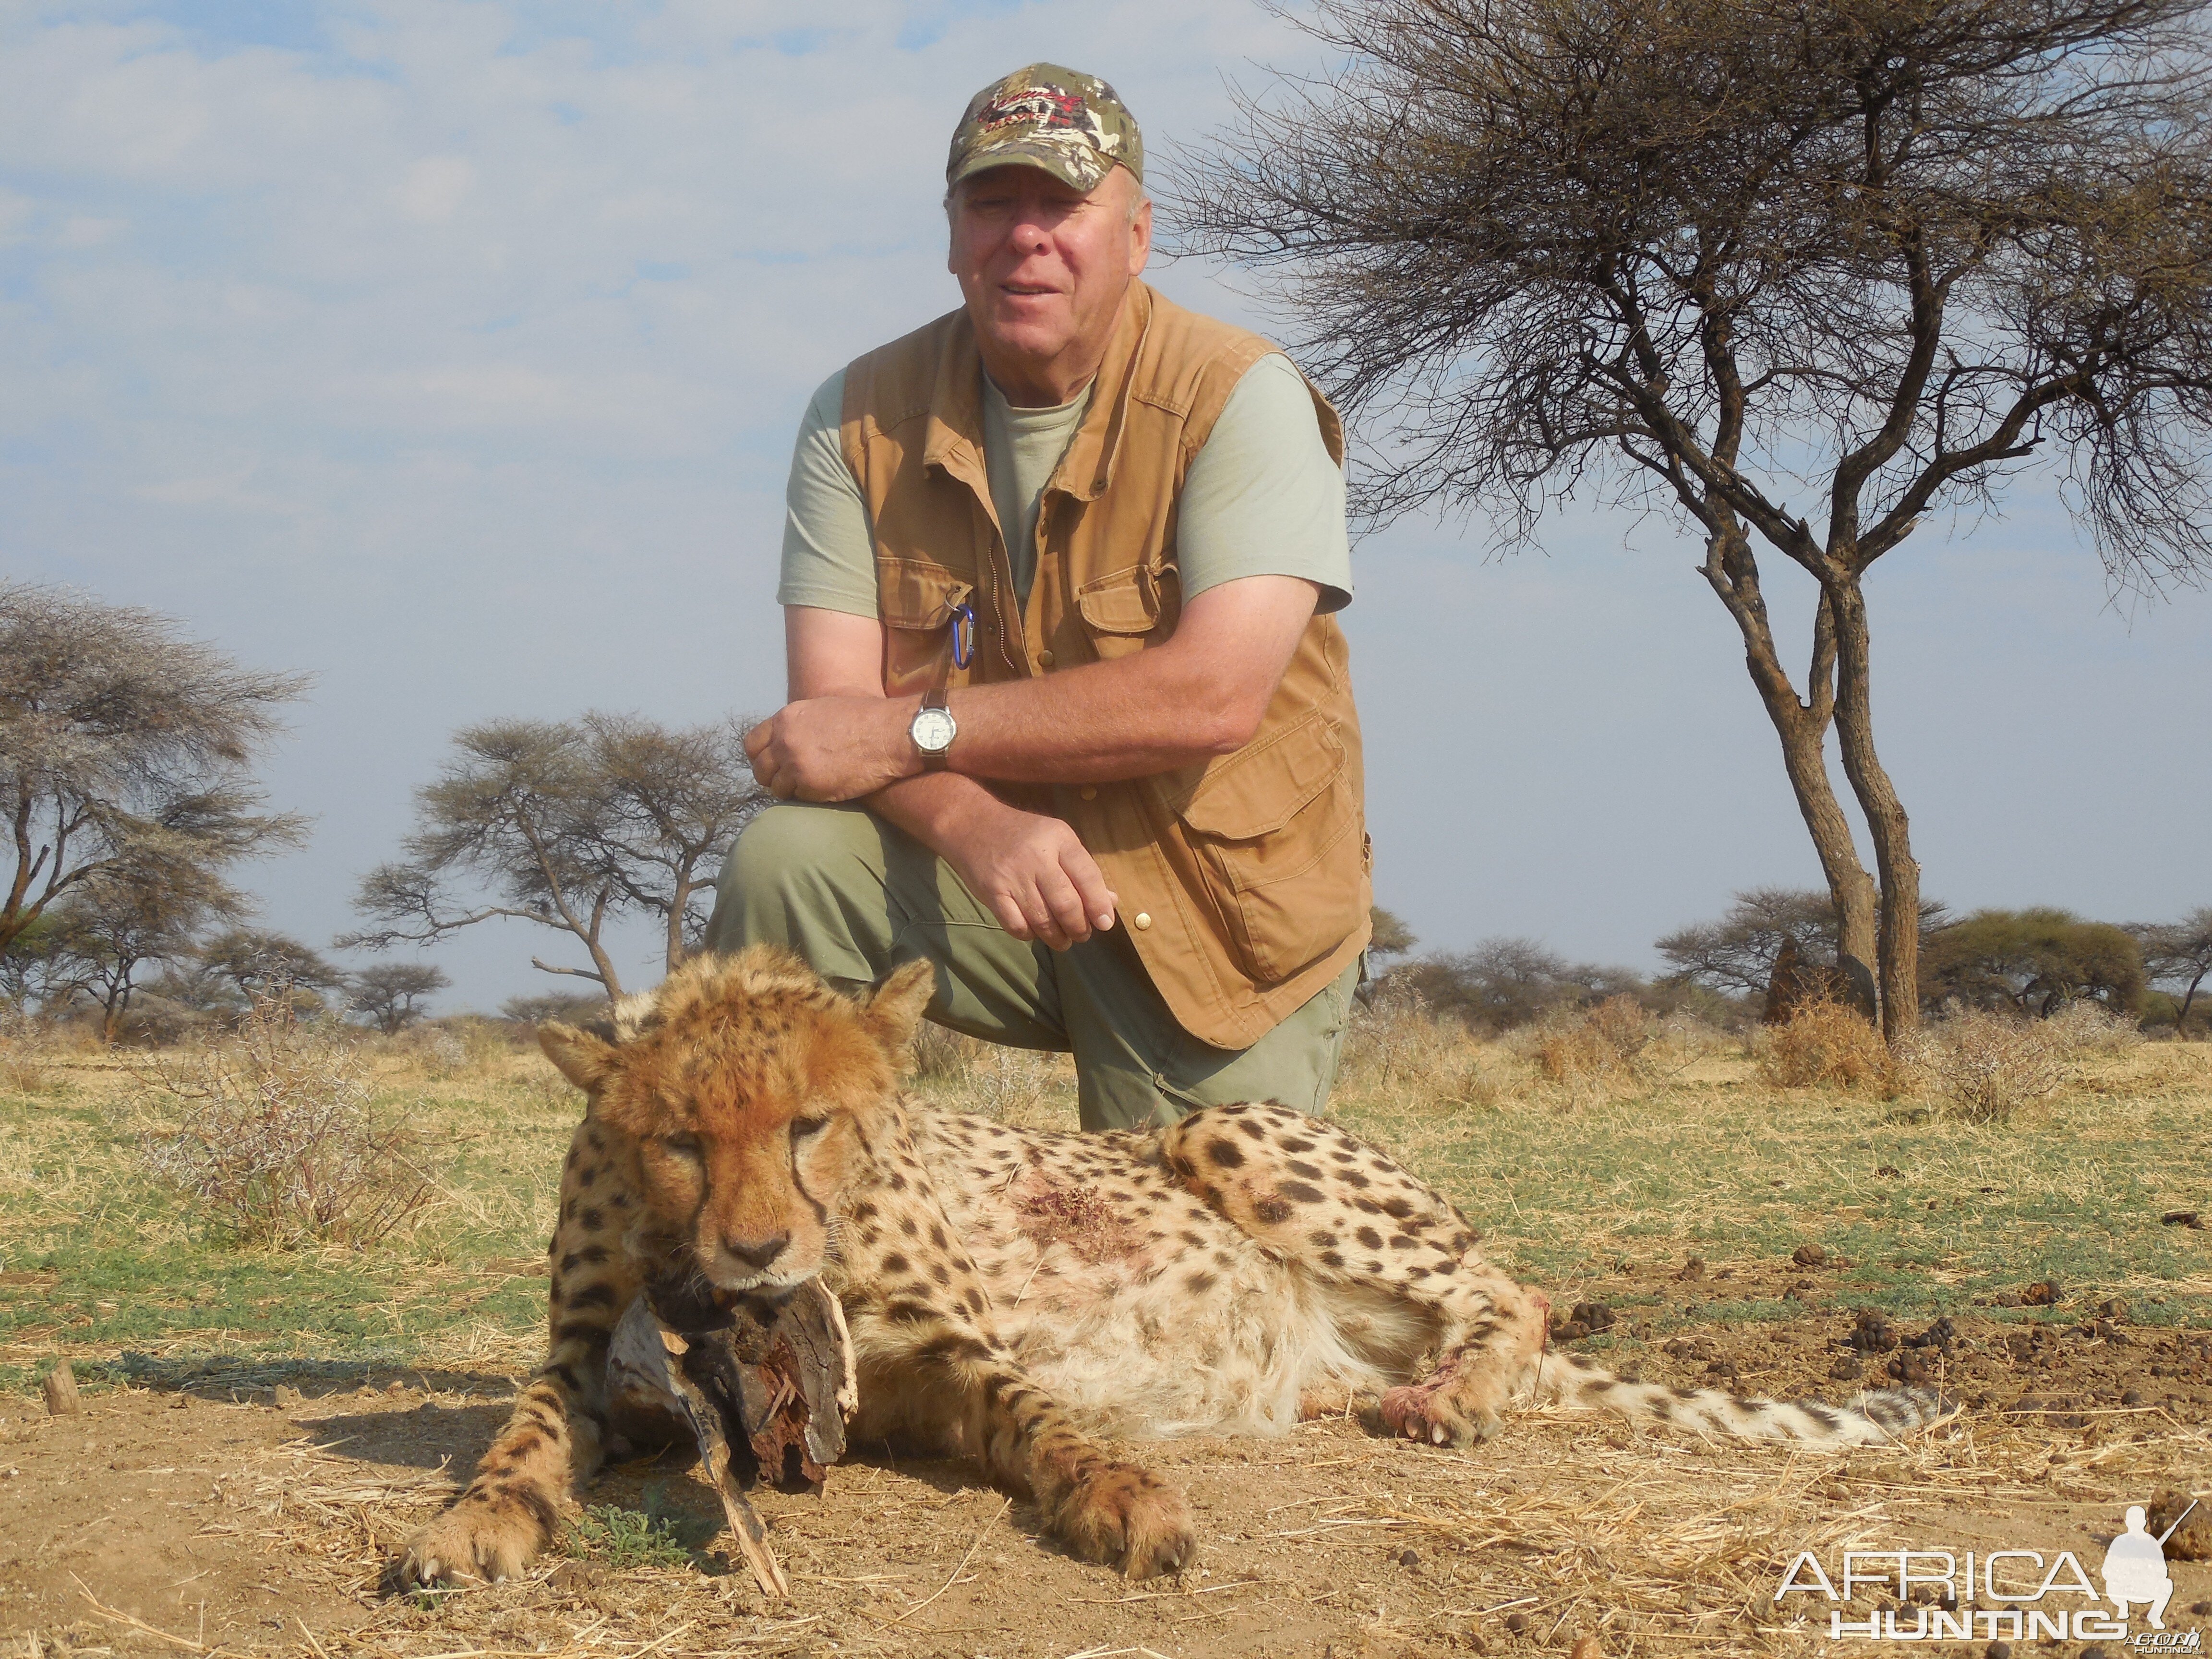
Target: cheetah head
751 1091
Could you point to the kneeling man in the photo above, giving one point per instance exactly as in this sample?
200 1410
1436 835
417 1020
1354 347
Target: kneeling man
1068 694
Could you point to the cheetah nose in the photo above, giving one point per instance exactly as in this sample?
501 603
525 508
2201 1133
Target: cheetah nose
757 1254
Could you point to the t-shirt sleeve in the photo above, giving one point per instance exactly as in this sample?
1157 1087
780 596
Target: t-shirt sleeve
1262 498
829 557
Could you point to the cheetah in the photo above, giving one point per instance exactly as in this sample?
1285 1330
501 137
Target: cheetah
1020 1298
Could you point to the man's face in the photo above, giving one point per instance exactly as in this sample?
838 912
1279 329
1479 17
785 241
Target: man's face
1042 265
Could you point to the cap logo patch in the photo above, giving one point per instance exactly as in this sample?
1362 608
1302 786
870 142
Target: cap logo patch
1048 106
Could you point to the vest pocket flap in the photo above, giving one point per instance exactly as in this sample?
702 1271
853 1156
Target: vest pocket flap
1125 602
1262 788
912 595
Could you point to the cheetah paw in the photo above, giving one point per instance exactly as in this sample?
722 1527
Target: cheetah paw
1128 1516
1421 1412
470 1544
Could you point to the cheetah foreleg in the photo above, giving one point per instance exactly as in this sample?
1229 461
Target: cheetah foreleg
1103 1510
512 1508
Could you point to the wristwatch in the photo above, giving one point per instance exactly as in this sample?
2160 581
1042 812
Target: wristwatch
933 730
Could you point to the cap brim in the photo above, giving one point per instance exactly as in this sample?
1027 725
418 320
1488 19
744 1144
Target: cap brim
1078 167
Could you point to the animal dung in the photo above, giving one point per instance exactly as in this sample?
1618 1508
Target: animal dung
764 1385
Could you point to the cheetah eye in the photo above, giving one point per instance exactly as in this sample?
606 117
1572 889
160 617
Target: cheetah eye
684 1145
803 1127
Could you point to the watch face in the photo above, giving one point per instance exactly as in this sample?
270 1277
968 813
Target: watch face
933 730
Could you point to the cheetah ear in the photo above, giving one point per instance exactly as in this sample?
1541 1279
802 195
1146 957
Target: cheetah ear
895 1009
586 1061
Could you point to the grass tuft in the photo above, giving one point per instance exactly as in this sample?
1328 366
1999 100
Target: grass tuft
657 1534
1826 1044
270 1132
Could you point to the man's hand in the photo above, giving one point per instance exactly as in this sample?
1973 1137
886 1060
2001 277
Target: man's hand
1031 871
836 748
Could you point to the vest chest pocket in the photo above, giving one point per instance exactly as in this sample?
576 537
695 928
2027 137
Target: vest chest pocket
1278 825
1119 611
916 602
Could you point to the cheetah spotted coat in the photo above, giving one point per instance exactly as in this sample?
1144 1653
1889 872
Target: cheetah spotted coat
1016 1297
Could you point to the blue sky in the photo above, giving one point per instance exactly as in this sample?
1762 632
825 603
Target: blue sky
453 352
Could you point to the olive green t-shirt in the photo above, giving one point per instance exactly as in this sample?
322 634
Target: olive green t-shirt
1261 496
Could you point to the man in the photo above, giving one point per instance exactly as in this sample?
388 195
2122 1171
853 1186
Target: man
1058 574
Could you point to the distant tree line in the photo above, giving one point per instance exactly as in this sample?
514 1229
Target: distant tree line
126 769
2031 962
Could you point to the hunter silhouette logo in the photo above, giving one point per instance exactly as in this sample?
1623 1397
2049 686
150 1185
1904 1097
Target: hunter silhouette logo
2134 1567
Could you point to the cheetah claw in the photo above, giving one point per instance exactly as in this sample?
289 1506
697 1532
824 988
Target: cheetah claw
1420 1412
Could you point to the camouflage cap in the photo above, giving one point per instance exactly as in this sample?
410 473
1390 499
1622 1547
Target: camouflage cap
1073 125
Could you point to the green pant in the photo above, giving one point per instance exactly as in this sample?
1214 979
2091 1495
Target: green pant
856 897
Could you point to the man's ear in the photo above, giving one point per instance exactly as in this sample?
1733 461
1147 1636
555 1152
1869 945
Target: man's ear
895 1009
586 1061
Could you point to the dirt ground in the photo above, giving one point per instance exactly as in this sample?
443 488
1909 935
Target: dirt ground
255 1521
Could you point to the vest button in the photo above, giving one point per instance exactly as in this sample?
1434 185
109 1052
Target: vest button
1045 658
1143 920
1089 792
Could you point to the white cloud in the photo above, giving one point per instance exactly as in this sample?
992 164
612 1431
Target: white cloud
435 188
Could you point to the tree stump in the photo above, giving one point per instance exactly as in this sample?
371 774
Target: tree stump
60 1389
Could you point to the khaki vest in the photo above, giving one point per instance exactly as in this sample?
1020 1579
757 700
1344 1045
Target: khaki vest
1252 867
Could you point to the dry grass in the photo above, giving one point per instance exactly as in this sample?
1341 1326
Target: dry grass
1609 1040
1395 1047
1826 1044
20 1074
269 1128
1988 1066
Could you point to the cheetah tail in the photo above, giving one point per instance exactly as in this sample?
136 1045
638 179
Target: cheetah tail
1875 1419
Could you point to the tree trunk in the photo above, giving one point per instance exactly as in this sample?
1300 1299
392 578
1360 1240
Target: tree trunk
1802 726
676 950
1897 936
1804 757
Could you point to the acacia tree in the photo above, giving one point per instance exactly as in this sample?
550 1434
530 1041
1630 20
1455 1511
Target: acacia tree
389 994
2034 961
1801 271
673 801
1736 954
569 825
1502 983
116 925
2179 954
253 965
125 753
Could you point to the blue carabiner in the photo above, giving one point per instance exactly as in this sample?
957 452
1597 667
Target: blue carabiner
964 635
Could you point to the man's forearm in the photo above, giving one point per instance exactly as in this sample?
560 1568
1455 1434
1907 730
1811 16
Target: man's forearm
932 808
1102 721
1201 693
